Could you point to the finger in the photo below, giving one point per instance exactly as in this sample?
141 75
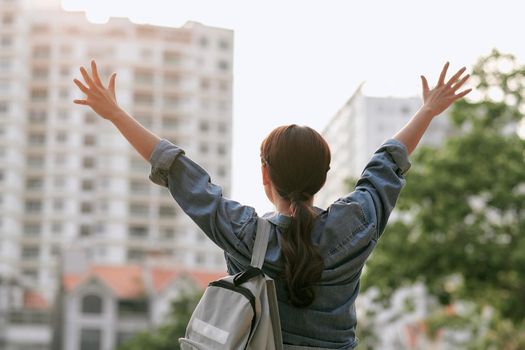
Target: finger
81 86
94 71
443 75
461 94
424 82
456 76
111 85
460 83
87 79
80 102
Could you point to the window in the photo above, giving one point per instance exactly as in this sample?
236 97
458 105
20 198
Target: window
56 227
90 339
138 209
33 206
85 230
143 76
58 204
167 211
40 73
171 57
203 148
203 42
88 163
89 140
87 185
135 254
41 52
37 116
221 171
223 65
34 183
35 161
204 126
6 41
32 229
30 252
224 44
138 187
91 304
61 136
143 99
221 149
38 95
86 207
138 231
4 107
37 139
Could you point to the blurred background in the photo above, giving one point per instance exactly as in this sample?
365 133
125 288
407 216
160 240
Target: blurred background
94 256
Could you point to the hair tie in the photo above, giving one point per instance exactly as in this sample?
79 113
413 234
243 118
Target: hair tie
299 196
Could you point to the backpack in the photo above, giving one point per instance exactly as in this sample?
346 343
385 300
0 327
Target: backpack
238 312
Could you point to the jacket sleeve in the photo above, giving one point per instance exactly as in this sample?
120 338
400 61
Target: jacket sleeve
222 220
381 182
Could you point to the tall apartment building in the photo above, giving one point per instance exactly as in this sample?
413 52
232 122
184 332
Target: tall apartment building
67 177
359 128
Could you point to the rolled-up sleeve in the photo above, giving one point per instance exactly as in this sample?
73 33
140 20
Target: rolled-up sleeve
381 182
220 218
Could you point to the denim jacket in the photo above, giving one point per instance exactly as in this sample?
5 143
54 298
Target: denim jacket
346 233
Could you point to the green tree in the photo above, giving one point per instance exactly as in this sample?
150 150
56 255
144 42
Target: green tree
460 226
166 337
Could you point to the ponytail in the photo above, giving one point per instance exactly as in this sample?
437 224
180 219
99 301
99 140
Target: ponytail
303 263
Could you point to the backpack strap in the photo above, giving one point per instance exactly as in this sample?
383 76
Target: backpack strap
261 242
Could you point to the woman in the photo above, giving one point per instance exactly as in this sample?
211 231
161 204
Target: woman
316 256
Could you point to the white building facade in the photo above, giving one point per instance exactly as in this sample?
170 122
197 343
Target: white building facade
67 177
359 128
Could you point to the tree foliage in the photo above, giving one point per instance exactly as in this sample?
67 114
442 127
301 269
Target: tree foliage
460 221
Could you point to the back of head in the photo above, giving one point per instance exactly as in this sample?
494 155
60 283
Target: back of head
298 159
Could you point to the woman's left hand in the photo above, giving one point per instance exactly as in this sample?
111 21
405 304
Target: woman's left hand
100 98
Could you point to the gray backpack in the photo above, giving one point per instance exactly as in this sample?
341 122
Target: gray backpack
238 312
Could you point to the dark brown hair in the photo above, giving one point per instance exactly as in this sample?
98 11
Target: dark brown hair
298 158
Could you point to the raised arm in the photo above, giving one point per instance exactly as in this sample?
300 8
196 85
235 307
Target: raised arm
435 101
104 102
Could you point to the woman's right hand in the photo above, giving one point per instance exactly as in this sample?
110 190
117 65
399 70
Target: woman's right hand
101 99
439 98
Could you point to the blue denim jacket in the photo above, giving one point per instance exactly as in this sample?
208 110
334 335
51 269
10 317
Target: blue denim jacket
346 234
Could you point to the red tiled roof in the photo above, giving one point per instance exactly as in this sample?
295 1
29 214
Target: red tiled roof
127 281
34 300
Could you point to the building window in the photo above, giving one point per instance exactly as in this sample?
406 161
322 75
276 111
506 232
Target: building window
88 163
34 183
38 95
61 136
203 148
135 254
85 230
91 304
143 99
86 207
223 65
221 149
89 140
171 57
139 209
37 139
167 211
138 231
224 44
32 229
30 252
90 339
33 206
203 42
204 126
87 185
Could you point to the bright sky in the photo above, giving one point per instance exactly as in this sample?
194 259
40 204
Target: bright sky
298 61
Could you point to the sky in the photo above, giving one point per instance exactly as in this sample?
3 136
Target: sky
299 61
